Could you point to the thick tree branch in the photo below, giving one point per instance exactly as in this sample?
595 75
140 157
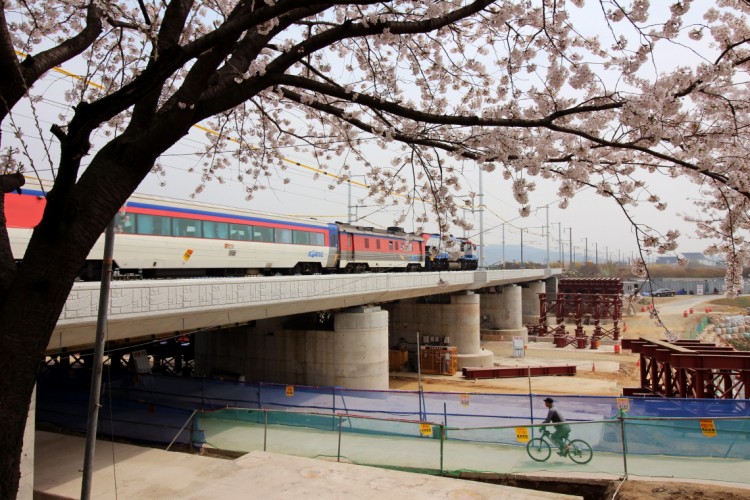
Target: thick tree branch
18 78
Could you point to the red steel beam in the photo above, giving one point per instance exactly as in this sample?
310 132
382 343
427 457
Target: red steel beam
690 369
517 371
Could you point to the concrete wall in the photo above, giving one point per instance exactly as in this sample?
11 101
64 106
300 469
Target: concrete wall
354 355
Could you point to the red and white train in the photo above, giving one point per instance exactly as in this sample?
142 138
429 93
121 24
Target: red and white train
163 238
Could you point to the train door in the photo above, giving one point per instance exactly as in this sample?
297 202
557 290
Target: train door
333 248
346 241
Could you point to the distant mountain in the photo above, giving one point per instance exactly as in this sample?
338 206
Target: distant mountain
493 254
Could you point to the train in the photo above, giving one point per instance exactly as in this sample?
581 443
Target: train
158 237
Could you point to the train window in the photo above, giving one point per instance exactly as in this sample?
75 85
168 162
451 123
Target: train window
377 244
367 242
283 235
301 237
126 223
189 228
317 239
218 230
390 245
240 232
263 234
153 224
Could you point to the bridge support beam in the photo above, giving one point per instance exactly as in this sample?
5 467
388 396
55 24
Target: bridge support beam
530 301
501 314
457 320
353 355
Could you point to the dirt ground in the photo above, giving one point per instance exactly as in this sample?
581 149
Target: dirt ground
599 372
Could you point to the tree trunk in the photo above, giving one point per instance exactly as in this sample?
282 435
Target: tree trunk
31 305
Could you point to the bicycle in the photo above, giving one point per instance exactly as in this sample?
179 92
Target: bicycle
540 448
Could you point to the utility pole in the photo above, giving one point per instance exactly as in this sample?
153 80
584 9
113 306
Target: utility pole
349 214
586 250
481 221
98 362
547 228
596 250
503 245
560 242
570 242
522 264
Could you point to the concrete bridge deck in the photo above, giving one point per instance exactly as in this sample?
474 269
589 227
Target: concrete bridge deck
154 308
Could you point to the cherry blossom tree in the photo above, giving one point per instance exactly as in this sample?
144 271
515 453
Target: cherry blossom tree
581 93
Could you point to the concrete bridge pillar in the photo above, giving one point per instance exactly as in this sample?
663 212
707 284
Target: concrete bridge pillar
359 349
464 320
455 318
353 355
530 299
502 312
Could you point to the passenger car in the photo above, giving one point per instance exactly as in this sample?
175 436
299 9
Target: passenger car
663 292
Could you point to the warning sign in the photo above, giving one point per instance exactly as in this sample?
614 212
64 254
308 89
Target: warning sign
290 391
623 404
708 428
425 430
522 434
465 399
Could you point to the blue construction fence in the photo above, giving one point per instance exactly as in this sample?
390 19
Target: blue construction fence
691 448
156 408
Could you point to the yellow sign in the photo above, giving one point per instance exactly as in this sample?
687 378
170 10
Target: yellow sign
623 404
187 254
708 428
522 434
425 430
465 399
290 390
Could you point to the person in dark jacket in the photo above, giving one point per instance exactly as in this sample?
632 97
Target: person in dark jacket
562 430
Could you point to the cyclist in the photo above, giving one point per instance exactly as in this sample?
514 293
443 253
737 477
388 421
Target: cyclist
562 430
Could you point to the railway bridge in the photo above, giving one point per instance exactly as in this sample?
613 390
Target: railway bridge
316 330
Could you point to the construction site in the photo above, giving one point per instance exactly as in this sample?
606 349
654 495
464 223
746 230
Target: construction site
469 419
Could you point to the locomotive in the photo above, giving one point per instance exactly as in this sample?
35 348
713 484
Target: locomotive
164 238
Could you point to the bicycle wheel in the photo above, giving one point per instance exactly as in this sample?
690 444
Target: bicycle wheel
580 451
538 449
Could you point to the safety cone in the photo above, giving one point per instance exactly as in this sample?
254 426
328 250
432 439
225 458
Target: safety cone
624 326
593 367
638 363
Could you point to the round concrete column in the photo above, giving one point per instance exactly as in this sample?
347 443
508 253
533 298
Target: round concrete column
511 307
464 312
465 323
530 299
360 348
504 312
